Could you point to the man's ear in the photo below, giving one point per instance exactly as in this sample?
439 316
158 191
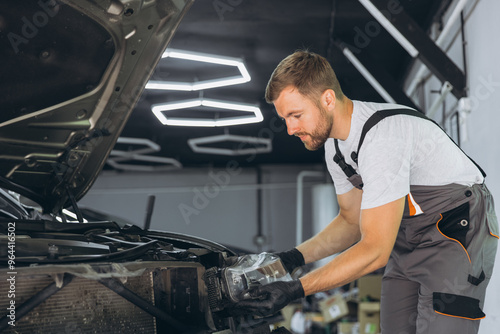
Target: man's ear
328 99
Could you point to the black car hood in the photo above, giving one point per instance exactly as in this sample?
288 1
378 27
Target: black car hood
70 74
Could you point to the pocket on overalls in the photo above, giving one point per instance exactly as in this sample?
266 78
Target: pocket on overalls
490 243
493 225
457 306
492 218
454 225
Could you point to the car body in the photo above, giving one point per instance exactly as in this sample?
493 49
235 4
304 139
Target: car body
72 71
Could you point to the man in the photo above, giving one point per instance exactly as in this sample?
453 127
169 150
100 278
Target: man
409 199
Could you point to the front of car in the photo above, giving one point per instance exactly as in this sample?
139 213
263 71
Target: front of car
71 73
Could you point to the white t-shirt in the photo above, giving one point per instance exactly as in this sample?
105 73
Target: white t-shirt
399 151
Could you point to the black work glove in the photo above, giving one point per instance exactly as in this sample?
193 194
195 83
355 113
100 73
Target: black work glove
268 299
292 259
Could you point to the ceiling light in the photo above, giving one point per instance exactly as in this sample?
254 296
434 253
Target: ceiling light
204 84
148 146
118 157
368 76
164 164
255 115
391 29
265 145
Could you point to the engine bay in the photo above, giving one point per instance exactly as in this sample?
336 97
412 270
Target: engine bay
161 274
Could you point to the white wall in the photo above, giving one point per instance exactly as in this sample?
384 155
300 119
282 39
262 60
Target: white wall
219 205
484 80
482 30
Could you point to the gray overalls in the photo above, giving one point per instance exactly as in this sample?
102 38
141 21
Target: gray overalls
435 280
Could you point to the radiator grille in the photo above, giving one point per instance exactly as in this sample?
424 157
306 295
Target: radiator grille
83 306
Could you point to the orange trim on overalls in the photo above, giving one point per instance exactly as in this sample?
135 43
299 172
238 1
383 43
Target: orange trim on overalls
437 226
456 316
496 236
413 207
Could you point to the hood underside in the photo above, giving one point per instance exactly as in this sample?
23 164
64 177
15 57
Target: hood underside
71 73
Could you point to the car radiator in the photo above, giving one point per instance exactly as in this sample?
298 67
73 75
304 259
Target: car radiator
84 303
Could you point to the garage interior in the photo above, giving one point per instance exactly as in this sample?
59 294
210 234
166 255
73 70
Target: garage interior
251 186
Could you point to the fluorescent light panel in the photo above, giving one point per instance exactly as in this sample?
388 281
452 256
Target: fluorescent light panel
148 146
165 164
118 157
377 14
254 117
368 76
205 84
195 143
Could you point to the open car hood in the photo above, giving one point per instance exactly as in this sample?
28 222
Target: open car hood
71 72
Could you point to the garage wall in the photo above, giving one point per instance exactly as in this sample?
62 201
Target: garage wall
216 204
479 133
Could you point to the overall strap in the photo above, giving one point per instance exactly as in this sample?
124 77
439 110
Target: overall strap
377 117
348 170
339 160
381 114
370 123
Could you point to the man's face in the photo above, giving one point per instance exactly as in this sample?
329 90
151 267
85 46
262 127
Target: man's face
304 118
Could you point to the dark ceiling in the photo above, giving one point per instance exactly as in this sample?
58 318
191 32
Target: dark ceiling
263 32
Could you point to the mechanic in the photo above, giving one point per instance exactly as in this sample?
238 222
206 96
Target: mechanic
410 200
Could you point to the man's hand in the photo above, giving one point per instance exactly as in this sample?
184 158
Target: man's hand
291 259
268 299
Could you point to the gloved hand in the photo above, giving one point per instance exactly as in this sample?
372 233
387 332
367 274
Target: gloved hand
291 259
268 299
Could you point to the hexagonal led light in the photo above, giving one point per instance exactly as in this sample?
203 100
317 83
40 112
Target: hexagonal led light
195 142
118 157
204 84
255 115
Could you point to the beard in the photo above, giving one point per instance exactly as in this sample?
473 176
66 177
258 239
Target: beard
322 132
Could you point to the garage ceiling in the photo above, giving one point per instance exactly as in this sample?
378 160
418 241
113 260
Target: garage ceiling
263 32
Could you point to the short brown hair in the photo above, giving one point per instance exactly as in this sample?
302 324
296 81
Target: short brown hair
309 72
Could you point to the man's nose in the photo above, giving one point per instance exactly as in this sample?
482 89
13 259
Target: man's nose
292 127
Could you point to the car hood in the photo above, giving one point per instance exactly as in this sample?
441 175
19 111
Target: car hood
71 73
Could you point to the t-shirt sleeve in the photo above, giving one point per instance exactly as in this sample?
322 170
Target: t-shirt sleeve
342 185
384 162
